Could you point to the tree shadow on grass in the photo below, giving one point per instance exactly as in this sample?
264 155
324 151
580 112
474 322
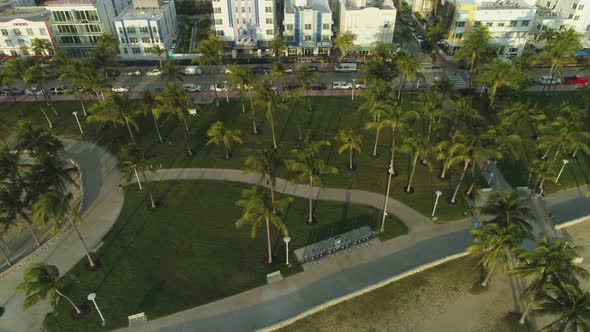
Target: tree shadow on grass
151 297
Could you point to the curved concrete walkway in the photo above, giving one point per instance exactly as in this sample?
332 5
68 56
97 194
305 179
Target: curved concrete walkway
102 201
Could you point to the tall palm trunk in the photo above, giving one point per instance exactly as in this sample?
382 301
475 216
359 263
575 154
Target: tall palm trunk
44 113
90 261
271 185
254 130
152 201
28 223
157 127
402 83
186 129
393 147
188 147
350 158
8 262
377 133
454 198
129 129
226 145
268 241
83 107
78 311
526 312
414 162
484 283
483 169
215 90
310 219
242 100
50 103
272 129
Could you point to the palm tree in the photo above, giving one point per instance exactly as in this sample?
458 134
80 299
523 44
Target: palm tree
305 77
559 49
443 87
409 69
148 104
493 244
174 100
37 142
210 50
277 74
405 36
509 208
217 134
82 74
420 149
48 173
115 110
266 162
520 114
462 114
241 78
10 166
351 142
498 74
52 209
344 43
41 46
258 209
277 45
264 95
570 305
103 56
13 203
159 51
171 72
40 282
473 48
376 93
431 110
133 161
310 168
551 262
385 122
542 170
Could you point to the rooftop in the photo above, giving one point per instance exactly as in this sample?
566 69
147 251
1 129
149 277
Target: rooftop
142 14
68 2
501 4
292 6
362 4
25 13
546 12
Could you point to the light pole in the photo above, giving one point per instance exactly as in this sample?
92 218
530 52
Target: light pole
287 240
438 194
353 87
565 162
390 171
92 297
78 121
226 91
490 177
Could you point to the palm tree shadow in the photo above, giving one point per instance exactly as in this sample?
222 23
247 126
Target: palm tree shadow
151 297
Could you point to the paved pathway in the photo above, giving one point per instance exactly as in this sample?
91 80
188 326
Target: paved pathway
102 201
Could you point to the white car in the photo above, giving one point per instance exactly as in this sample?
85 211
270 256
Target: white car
289 70
359 85
191 87
154 72
226 71
120 89
220 87
35 91
548 80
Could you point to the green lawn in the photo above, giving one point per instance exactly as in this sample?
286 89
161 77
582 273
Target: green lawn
189 253
330 114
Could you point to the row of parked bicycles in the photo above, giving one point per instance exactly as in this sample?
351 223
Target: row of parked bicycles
343 247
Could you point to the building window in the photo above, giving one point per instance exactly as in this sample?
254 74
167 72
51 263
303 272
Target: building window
143 30
243 9
136 50
459 24
268 9
525 23
86 16
513 50
270 32
489 24
323 51
570 16
120 30
154 30
307 26
501 24
477 23
219 33
548 4
326 26
326 37
580 7
16 32
131 30
4 32
218 21
269 20
30 32
574 6
9 43
307 38
66 29
93 39
42 31
289 27
62 16
93 28
513 23
14 53
577 17
125 50
70 40
458 35
292 51
216 10
289 38
244 21
146 40
134 40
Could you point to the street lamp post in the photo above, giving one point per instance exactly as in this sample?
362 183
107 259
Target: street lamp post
92 297
287 240
438 194
226 91
490 177
564 162
353 87
390 171
78 121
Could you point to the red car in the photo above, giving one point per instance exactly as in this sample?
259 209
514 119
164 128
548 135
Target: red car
578 79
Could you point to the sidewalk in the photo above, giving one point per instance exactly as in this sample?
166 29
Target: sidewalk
102 202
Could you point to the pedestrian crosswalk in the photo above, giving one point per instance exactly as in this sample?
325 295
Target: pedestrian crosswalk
459 82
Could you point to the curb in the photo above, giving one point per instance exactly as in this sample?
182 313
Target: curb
362 291
571 222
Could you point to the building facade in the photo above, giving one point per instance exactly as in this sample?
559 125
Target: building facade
509 24
562 14
246 25
19 26
145 25
307 27
76 25
368 21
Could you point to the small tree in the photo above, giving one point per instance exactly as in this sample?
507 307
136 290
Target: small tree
344 43
41 46
351 142
217 134
277 45
159 51
133 162
264 161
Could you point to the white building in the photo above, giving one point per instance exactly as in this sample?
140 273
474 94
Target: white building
562 14
369 21
77 24
246 25
509 24
19 26
144 25
307 27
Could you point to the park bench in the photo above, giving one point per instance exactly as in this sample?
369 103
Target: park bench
137 319
274 277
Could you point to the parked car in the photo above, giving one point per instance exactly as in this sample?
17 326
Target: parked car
220 87
288 86
132 73
6 91
317 86
191 87
18 91
577 79
12 91
341 85
59 90
358 85
112 72
313 68
289 70
346 68
154 72
260 70
34 91
120 89
548 80
192 70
